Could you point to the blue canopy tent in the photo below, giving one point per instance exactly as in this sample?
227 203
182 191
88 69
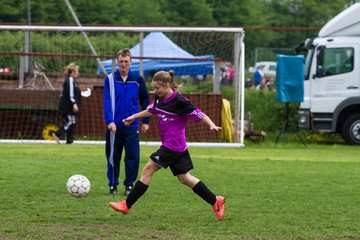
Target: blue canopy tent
163 54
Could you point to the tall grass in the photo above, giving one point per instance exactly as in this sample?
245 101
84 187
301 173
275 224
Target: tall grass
282 191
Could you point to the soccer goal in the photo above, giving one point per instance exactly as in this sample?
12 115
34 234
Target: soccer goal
200 56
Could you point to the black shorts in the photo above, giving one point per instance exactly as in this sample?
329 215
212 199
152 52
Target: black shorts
179 162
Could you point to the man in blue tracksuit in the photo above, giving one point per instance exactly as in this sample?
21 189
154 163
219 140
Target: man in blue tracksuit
123 91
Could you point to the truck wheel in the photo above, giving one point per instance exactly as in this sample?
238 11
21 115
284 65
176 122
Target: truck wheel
351 130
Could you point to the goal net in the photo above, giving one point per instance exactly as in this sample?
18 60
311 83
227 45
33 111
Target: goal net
32 61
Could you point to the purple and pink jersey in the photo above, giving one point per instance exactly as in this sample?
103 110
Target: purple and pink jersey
173 113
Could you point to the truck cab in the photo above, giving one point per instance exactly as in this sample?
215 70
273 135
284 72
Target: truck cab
332 79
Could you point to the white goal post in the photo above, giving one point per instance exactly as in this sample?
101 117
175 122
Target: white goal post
238 59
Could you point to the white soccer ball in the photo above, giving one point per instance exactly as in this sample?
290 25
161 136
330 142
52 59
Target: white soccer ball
78 186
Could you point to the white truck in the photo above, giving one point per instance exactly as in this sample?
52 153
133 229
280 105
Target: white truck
332 78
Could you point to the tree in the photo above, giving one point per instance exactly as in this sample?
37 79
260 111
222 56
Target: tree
243 13
92 12
310 13
143 12
13 11
187 13
61 15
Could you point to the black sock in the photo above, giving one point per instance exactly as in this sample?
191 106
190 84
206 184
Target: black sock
138 190
201 190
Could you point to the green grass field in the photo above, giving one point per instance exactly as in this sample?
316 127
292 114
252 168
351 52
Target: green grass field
282 191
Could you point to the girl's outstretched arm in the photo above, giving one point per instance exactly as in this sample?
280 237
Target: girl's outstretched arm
143 114
210 123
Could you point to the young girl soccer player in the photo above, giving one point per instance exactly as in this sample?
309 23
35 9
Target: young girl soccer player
173 111
69 104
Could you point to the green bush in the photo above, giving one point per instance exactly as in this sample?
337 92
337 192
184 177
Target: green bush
267 113
64 44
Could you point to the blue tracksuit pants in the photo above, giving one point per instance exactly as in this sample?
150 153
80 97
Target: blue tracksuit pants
125 138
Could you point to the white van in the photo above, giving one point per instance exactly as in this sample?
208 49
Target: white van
268 68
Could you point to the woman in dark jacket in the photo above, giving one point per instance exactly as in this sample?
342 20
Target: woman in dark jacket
69 105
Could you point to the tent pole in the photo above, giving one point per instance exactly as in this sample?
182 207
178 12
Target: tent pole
216 78
141 70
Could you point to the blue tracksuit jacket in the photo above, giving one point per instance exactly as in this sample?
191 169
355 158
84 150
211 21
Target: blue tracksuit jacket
127 97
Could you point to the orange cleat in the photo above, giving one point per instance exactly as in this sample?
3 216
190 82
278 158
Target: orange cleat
120 206
219 207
